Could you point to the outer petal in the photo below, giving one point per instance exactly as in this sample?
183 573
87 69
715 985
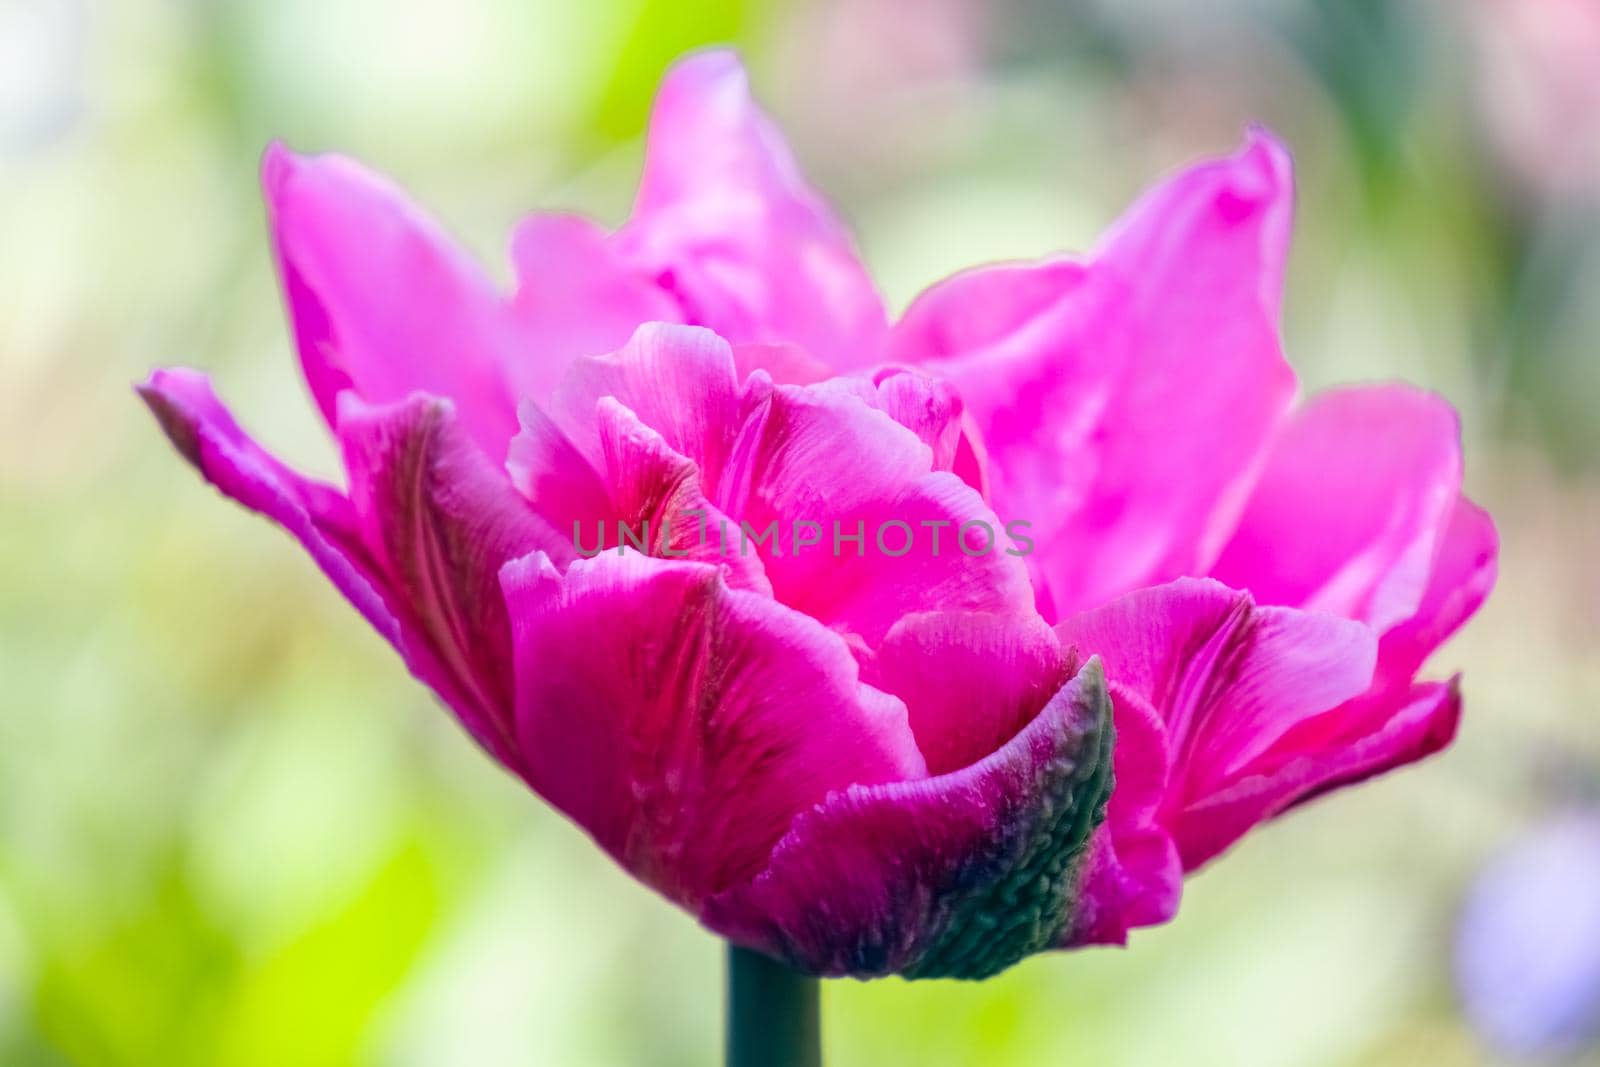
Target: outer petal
324 522
1227 677
576 296
1126 401
316 515
1132 874
1351 507
726 223
683 723
441 520
959 875
381 301
1362 738
1204 683
1463 573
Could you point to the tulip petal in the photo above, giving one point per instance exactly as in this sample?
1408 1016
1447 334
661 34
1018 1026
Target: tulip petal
1349 512
321 519
1227 677
891 536
726 223
316 515
576 296
678 380
959 875
1132 874
683 723
932 409
1126 401
1229 680
1397 721
970 681
800 472
1463 574
1362 739
381 300
441 520
657 493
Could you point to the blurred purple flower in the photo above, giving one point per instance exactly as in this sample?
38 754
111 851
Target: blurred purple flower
1528 951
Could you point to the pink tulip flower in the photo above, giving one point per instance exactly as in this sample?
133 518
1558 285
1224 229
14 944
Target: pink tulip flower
661 527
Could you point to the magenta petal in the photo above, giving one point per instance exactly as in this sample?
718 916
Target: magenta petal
1362 739
657 496
638 492
678 380
381 300
321 519
1395 722
959 875
1229 680
1132 873
726 223
783 363
1126 401
683 723
1351 507
441 520
1226 215
559 481
576 296
1463 573
932 409
1227 677
970 681
891 530
316 515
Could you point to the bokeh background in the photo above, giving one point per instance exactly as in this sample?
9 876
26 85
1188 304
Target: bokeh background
233 832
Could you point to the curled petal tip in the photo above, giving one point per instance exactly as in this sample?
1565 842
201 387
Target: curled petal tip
159 392
715 64
278 164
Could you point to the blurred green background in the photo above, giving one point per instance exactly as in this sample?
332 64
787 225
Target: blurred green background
232 830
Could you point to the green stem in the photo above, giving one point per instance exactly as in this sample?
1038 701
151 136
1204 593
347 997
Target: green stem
774 1017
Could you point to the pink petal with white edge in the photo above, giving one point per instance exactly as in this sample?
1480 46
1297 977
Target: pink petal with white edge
1349 512
725 222
683 723
1127 400
381 300
958 875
